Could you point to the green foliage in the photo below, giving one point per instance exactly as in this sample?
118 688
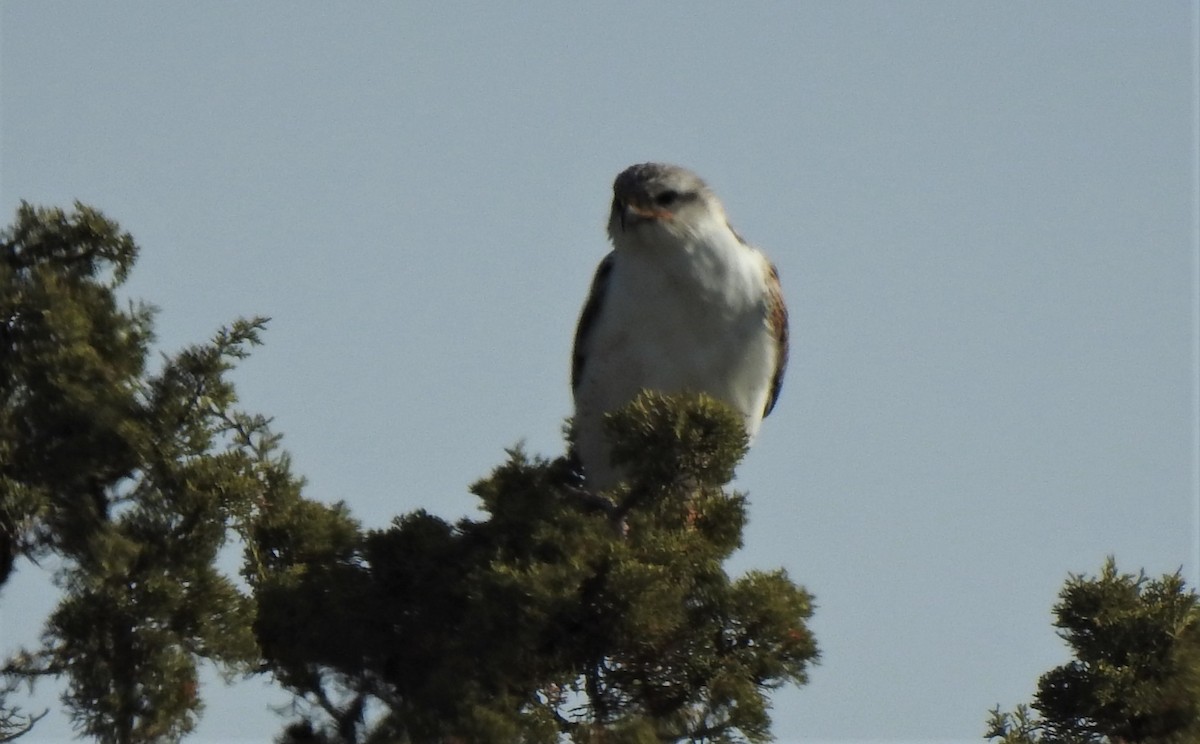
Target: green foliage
70 361
558 615
1135 677
132 480
551 617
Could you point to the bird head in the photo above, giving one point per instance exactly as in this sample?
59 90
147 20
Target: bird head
659 200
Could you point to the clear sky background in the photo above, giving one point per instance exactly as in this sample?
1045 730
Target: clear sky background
984 216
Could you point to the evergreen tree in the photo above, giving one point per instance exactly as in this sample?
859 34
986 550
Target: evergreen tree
131 479
1135 678
559 615
556 616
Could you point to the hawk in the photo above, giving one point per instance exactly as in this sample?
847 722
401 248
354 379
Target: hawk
681 304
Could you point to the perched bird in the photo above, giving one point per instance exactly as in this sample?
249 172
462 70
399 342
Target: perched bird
681 304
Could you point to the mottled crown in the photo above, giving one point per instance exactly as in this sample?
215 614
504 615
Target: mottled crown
644 182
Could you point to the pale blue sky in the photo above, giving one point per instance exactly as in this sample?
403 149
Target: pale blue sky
984 216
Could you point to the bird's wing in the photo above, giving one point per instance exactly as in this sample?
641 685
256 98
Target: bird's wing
777 320
587 319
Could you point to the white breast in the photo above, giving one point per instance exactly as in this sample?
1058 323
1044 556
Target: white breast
690 318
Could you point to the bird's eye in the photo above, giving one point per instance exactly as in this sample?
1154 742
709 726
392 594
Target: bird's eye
666 198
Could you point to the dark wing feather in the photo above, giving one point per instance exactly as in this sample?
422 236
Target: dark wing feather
777 319
587 319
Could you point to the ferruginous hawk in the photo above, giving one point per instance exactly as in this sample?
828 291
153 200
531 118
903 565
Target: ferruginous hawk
681 304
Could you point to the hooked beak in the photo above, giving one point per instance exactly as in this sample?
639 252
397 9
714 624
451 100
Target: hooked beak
629 213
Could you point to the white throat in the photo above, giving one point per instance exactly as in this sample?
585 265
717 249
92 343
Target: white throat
704 262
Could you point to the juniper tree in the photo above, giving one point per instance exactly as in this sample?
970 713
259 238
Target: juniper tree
555 615
131 479
1135 676
558 615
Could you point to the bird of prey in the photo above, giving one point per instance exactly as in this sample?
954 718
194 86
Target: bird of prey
681 304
